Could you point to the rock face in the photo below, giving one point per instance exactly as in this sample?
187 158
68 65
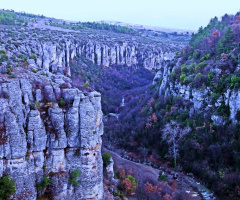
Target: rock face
50 141
200 99
56 56
110 170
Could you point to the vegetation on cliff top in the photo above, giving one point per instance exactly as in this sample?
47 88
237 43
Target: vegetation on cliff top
94 25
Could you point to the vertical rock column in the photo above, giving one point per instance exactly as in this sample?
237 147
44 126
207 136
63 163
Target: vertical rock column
91 129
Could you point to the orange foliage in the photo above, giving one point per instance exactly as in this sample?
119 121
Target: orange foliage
167 197
150 188
122 173
174 186
127 185
237 20
130 171
153 190
154 118
148 125
150 102
215 34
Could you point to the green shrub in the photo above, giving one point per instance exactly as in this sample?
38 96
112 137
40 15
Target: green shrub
44 184
7 187
12 75
191 67
215 96
223 110
195 55
182 116
106 158
61 102
34 71
184 68
197 75
74 175
225 43
182 76
186 80
2 52
122 196
33 57
200 65
4 57
86 84
235 80
172 76
210 76
162 177
9 69
132 179
205 57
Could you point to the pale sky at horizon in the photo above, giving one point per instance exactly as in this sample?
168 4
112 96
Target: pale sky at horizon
180 14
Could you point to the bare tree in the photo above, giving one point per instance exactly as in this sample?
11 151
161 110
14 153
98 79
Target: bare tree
173 133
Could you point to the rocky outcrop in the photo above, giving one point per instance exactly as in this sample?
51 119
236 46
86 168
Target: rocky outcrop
55 56
39 138
199 98
110 170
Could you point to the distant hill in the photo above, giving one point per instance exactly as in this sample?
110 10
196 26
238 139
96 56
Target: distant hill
156 29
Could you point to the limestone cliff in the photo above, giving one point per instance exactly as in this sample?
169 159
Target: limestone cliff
54 51
50 139
200 99
47 127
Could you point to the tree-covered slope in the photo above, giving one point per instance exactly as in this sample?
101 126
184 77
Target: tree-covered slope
199 89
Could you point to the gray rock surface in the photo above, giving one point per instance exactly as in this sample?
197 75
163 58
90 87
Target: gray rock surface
49 141
55 56
110 171
200 99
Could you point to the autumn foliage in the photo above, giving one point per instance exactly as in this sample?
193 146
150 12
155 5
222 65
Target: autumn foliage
128 186
127 183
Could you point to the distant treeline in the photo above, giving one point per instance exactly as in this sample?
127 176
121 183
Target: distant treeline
15 18
104 26
7 18
95 25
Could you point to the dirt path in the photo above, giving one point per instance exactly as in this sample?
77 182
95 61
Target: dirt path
144 173
137 168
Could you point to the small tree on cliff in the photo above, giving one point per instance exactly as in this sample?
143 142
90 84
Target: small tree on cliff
7 187
86 84
173 133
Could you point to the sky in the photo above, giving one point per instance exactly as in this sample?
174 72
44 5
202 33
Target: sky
180 14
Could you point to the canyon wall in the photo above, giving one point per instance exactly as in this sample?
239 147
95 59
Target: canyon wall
200 99
56 56
50 139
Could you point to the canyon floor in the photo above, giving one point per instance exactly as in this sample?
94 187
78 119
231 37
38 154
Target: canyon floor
143 173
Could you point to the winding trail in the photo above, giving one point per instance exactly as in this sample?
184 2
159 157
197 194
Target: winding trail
144 173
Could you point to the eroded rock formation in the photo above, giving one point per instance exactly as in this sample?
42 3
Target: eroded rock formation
51 140
199 98
56 56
